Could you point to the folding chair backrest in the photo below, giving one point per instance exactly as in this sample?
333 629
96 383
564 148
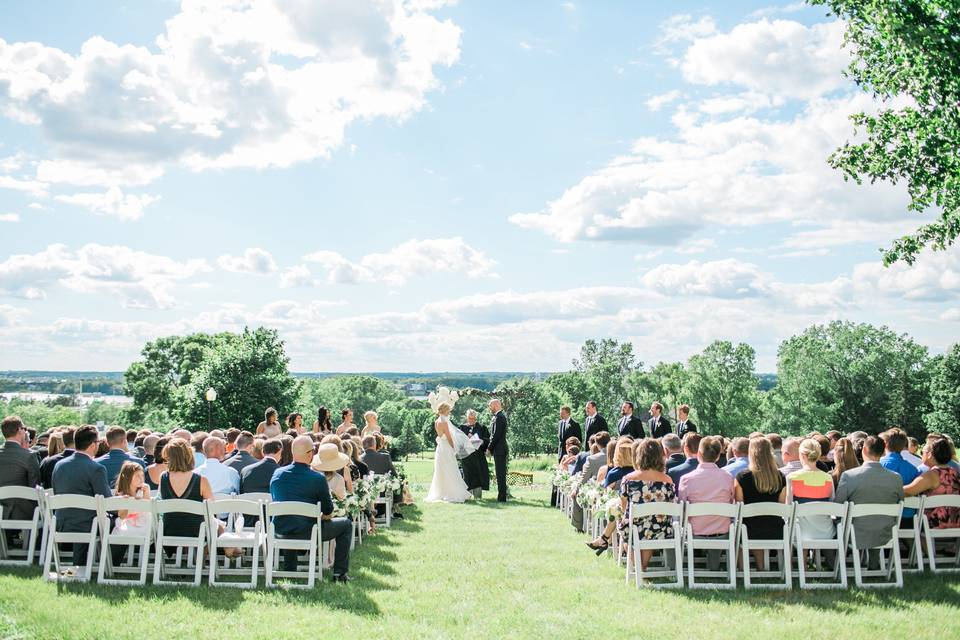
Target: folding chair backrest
766 509
179 505
932 502
913 502
223 496
674 509
234 505
712 509
821 509
71 501
293 509
861 510
20 493
256 496
126 503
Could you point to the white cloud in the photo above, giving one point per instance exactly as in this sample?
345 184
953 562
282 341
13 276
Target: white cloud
683 28
657 102
844 232
727 278
35 188
141 280
297 276
935 276
264 83
10 315
951 315
407 260
9 217
113 202
780 57
253 260
746 102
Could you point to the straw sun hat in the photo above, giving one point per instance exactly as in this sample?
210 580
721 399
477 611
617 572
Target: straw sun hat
329 458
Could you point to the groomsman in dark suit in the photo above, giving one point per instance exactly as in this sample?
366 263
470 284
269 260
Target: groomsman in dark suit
684 426
659 425
594 422
568 428
629 424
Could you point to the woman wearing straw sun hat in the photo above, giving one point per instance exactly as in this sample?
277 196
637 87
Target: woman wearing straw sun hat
328 461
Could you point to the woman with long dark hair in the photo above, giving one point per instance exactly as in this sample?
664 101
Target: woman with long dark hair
322 425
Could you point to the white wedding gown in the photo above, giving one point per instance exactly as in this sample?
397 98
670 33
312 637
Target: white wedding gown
448 485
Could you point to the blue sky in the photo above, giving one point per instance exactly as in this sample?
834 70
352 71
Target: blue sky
426 185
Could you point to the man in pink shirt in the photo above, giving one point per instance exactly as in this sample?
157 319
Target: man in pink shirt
708 483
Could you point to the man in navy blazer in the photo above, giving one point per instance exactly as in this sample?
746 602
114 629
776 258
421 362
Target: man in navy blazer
256 477
691 445
80 475
113 460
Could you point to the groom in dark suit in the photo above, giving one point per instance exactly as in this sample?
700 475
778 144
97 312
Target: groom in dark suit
498 447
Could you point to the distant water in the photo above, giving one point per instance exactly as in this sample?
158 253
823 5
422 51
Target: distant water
84 399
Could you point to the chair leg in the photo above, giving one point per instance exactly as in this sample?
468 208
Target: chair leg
745 554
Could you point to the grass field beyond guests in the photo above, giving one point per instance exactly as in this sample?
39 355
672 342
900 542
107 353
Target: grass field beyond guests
479 571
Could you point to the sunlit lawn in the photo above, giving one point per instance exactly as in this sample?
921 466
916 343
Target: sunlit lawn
480 571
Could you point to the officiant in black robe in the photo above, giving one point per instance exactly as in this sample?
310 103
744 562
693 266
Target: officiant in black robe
476 473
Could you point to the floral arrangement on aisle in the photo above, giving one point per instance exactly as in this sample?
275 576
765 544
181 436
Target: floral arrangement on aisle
563 481
588 493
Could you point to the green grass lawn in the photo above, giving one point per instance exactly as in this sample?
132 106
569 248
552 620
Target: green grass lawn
481 571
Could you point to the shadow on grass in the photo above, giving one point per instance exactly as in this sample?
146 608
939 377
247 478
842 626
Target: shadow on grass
371 562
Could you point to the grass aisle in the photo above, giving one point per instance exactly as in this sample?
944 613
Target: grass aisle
479 571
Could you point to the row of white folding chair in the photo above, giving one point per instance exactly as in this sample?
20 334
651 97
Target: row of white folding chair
30 529
737 536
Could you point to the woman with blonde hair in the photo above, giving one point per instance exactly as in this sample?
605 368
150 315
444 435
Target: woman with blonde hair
447 484
621 463
810 483
371 427
844 459
55 444
761 481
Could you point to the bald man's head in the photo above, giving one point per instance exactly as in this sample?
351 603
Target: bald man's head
302 449
214 448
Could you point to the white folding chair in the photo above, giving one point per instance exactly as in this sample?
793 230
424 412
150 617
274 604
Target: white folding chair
276 545
193 545
255 496
934 535
238 536
727 543
780 545
837 544
29 529
142 537
55 538
913 563
386 500
672 545
893 545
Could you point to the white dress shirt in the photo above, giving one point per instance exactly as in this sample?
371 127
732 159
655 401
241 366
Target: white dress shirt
222 479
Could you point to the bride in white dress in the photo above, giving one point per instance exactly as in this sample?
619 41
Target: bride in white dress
448 485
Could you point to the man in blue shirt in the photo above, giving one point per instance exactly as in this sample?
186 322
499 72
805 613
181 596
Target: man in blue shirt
741 457
895 441
297 482
113 460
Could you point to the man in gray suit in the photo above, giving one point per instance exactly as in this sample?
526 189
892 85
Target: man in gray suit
590 468
377 461
870 483
19 467
80 475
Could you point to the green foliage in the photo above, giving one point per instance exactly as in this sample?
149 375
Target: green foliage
574 387
606 364
533 409
249 374
721 385
848 376
663 383
907 49
42 416
358 392
945 394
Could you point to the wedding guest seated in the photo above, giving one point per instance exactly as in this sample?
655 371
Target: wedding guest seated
243 457
602 472
131 442
330 461
130 484
181 482
691 446
102 448
833 436
673 450
159 466
647 483
222 478
196 441
286 455
139 451
376 461
257 450
232 434
761 481
708 483
871 483
812 484
116 439
844 459
570 461
941 479
912 453
79 474
776 442
740 449
953 464
48 464
585 452
791 456
182 434
596 459
895 442
622 463
256 477
150 447
54 444
218 433
19 467
297 482
358 469
824 463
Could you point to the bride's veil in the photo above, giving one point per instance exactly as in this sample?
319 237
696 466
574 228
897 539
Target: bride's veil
462 445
